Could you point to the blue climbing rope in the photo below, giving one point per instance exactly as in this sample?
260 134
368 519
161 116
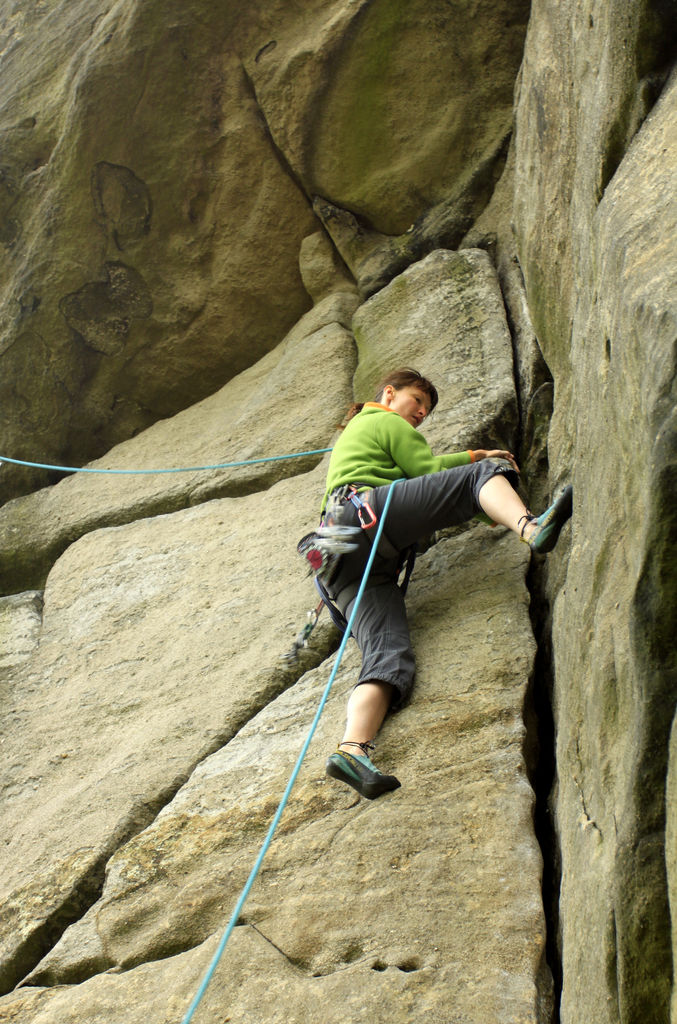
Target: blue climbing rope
297 767
181 469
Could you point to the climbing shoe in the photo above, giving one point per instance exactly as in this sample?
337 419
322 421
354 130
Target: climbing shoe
550 523
359 772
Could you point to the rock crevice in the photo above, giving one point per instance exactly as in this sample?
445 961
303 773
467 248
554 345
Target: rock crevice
27 965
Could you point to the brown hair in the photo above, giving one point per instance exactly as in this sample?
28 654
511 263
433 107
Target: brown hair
402 378
408 378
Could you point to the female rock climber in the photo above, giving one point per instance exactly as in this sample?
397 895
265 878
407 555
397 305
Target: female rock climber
381 444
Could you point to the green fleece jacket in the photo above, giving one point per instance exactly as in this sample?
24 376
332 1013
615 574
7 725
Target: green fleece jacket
379 446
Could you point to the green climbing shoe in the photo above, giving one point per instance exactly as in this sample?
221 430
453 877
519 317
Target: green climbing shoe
550 522
360 773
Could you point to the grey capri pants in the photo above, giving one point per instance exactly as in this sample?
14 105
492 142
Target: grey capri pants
418 507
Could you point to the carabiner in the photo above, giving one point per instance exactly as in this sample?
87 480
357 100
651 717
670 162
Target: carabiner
359 504
372 522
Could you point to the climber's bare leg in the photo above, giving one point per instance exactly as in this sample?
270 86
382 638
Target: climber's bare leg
502 503
367 707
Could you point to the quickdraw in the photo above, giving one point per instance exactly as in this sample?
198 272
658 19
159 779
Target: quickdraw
304 636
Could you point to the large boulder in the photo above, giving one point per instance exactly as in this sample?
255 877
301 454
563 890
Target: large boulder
445 317
616 701
591 73
159 640
144 264
596 217
371 911
275 408
369 123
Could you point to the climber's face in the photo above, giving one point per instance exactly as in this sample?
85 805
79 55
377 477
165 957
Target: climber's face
411 402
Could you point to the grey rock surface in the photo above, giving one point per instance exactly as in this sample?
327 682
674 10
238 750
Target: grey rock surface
345 93
20 625
274 408
413 889
445 317
142 267
159 640
220 224
596 213
612 791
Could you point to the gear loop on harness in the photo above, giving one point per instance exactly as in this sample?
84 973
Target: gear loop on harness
349 492
386 549
324 548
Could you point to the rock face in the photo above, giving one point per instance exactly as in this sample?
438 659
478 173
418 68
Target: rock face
136 277
326 899
144 266
610 338
272 408
221 225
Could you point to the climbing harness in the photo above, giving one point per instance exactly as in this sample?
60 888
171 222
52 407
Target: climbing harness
324 547
294 775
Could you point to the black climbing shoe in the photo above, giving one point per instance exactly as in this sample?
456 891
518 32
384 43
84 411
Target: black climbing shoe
550 523
361 774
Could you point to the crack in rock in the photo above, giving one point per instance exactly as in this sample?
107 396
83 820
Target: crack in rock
23 969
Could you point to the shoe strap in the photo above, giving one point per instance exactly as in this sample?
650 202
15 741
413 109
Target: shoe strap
528 518
364 747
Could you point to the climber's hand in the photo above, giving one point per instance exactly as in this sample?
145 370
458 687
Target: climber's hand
483 453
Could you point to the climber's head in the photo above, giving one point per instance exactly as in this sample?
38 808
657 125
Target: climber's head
408 393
